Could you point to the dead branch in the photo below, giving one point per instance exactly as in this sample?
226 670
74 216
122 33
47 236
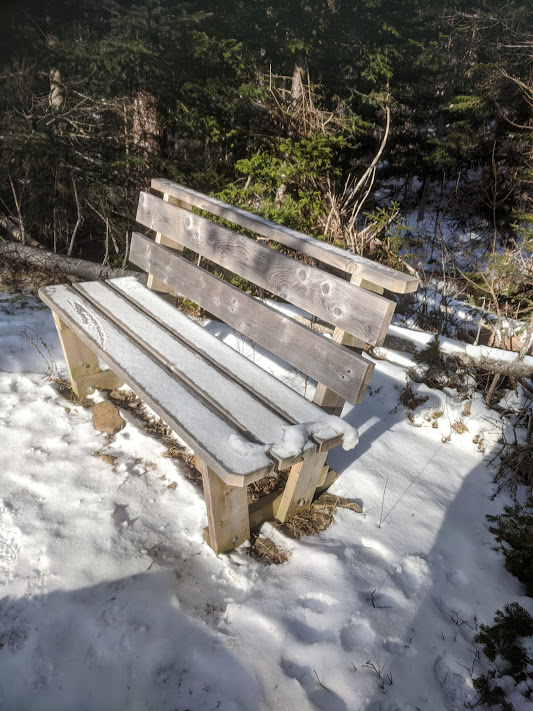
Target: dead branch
515 369
81 268
17 233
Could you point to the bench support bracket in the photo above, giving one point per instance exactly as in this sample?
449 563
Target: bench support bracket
301 485
227 511
82 363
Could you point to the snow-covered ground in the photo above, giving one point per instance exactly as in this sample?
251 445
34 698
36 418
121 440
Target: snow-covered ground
110 599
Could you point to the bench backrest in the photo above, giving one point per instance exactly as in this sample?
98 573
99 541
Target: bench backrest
351 307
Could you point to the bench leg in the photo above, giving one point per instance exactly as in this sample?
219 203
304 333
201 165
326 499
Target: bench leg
227 511
301 486
82 364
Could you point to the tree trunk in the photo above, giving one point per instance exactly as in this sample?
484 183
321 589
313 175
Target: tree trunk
16 232
146 128
514 369
57 91
423 199
299 76
80 268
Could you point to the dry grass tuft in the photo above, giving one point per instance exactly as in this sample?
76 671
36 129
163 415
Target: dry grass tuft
266 551
266 486
68 393
411 401
127 400
319 516
460 427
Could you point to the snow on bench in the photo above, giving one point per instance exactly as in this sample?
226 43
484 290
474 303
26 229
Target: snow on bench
241 422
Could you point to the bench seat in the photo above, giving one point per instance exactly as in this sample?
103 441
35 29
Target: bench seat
242 421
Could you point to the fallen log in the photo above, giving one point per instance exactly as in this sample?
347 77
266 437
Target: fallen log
514 369
40 257
11 227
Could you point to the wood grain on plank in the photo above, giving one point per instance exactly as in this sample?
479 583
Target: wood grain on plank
152 282
389 278
327 398
341 370
363 314
230 398
82 364
301 486
182 410
227 511
280 397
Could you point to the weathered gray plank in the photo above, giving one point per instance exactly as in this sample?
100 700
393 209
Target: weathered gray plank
357 311
182 410
238 404
227 512
327 362
389 278
282 399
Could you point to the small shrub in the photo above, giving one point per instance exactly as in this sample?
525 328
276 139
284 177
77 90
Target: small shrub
503 645
516 467
514 528
438 372
410 400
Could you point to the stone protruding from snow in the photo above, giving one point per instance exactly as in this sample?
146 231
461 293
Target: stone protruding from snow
106 418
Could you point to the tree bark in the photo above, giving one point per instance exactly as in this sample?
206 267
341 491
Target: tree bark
80 268
11 227
146 129
515 369
299 76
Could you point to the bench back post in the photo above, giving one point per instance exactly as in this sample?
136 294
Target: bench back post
327 399
153 282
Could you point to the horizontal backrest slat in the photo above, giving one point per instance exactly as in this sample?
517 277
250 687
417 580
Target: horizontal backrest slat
376 273
363 314
345 372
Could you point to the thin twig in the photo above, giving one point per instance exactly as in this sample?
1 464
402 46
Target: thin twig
382 502
321 684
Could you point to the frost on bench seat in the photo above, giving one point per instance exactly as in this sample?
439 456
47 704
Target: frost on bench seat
223 414
289 404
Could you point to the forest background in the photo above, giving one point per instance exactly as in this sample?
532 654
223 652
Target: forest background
337 118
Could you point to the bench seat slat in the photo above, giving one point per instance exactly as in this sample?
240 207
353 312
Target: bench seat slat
345 372
376 273
364 314
237 403
183 410
281 398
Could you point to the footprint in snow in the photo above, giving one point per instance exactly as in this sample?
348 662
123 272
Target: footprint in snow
411 575
320 695
309 634
357 634
374 550
455 688
456 577
402 649
8 553
460 616
318 602
385 598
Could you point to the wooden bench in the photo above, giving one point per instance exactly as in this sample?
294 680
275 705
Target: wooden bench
241 422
